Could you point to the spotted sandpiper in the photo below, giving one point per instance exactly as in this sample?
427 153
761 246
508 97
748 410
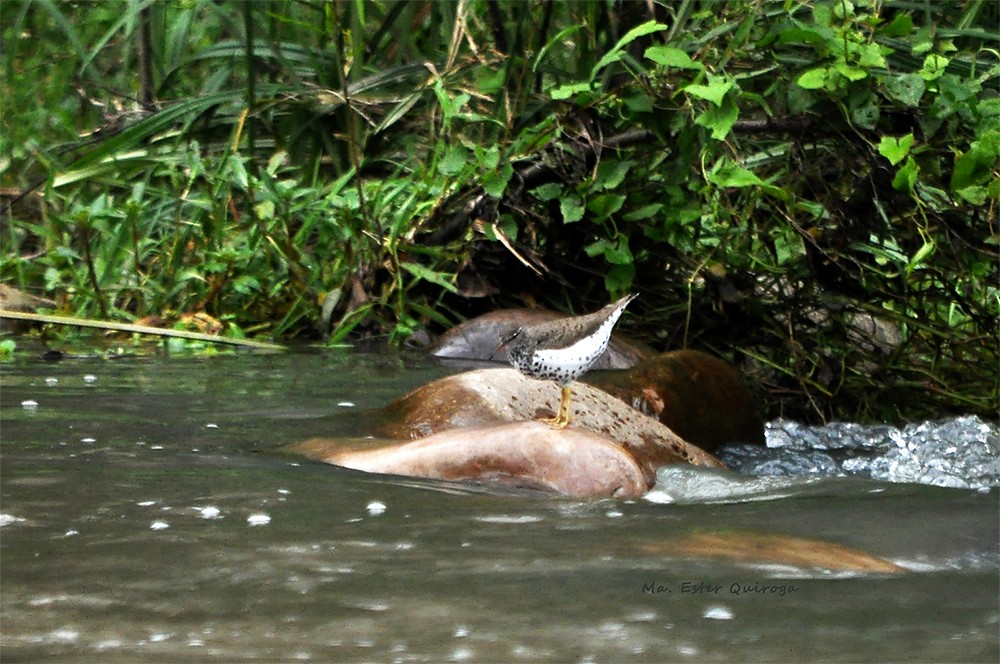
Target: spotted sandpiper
563 350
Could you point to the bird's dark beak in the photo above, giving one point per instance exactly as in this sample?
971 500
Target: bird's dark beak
504 341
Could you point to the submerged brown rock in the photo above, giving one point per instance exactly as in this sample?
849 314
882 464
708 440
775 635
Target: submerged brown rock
479 425
769 548
699 397
521 454
494 396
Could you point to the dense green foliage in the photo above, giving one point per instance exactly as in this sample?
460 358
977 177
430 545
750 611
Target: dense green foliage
807 188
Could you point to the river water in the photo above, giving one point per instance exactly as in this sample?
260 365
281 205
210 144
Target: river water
146 516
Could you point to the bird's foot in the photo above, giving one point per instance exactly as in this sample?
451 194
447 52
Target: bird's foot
560 421
562 418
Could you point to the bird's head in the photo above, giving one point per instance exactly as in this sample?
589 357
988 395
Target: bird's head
505 340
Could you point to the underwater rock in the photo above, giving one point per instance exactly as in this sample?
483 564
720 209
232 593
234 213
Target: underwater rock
531 455
699 397
496 396
767 548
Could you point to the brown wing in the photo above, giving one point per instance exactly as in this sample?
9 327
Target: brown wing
564 332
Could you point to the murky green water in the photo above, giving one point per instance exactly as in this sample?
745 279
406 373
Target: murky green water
147 519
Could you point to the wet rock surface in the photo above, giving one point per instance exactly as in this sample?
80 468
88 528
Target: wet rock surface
527 455
480 425
493 396
699 397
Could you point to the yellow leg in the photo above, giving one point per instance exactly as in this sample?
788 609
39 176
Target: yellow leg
563 417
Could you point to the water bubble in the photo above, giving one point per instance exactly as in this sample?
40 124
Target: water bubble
29 404
718 612
64 635
159 525
210 512
376 508
259 519
89 378
51 381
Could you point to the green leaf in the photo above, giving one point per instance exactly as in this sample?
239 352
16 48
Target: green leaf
619 278
604 205
849 72
554 42
644 212
906 177
904 88
238 172
399 111
843 9
615 53
489 158
449 105
923 41
719 120
572 209
668 56
246 284
713 92
731 175
900 26
547 192
616 253
918 258
149 127
639 103
495 182
800 36
867 113
422 272
934 67
988 145
568 90
813 79
611 173
963 175
822 15
871 56
895 149
800 100
454 160
975 194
